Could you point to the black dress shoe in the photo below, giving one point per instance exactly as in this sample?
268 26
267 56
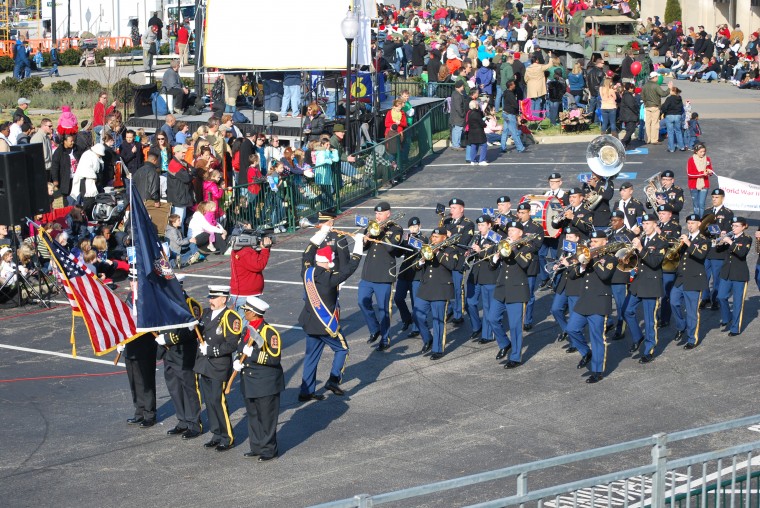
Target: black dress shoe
135 420
223 447
310 396
571 349
414 333
457 321
503 352
485 341
618 336
250 455
475 336
594 378
646 359
715 306
406 326
190 434
426 347
635 347
704 304
562 337
663 325
609 327
511 364
527 327
176 431
678 337
147 423
690 346
544 283
373 337
333 387
733 334
383 346
267 459
436 356
211 444
584 361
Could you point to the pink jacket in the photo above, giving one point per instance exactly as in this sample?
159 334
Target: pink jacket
212 192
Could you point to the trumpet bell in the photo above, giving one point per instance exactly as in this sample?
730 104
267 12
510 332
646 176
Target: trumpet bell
504 248
605 156
427 252
373 228
306 223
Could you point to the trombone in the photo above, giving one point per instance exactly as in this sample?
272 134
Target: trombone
506 248
374 228
428 251
305 223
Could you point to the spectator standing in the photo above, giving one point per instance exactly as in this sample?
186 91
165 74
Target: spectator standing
164 154
608 97
156 26
456 117
652 95
146 181
131 152
476 136
291 83
247 266
83 187
535 81
672 109
594 78
44 135
183 37
168 129
100 112
509 113
629 112
63 165
698 170
179 184
84 138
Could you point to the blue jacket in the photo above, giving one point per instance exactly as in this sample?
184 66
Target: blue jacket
20 55
291 78
576 81
484 77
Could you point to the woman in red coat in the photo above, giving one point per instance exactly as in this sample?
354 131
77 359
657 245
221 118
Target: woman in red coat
395 117
698 170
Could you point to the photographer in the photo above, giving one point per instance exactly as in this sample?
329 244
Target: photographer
250 255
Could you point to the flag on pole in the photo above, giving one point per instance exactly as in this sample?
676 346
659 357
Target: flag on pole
160 303
558 6
108 320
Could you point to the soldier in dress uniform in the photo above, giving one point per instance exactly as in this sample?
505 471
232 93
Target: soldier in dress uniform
405 277
567 290
221 328
530 228
689 284
434 293
631 207
671 194
715 258
505 215
320 316
555 188
549 245
378 278
592 307
481 282
177 348
511 295
576 214
620 279
670 231
262 380
734 276
459 224
606 191
646 288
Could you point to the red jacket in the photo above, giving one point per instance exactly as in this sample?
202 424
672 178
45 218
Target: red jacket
99 114
182 35
694 175
247 267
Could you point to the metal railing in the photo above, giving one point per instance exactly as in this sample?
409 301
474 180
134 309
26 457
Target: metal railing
422 89
699 480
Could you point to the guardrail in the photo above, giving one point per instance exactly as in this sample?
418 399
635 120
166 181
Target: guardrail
422 89
662 481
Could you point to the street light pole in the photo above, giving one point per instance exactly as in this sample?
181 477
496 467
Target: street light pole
350 29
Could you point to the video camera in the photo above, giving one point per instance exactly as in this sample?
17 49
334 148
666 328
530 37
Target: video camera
252 237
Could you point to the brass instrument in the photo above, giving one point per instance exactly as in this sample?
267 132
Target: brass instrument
305 223
628 259
374 228
585 254
672 256
427 251
652 188
605 156
505 248
730 235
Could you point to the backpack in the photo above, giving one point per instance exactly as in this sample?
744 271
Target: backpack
158 104
443 73
217 91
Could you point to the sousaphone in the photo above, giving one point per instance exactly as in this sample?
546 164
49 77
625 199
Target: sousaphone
605 156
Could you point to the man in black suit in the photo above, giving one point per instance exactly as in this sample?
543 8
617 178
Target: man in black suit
691 280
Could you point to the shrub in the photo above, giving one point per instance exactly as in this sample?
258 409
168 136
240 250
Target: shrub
61 87
672 11
70 57
9 83
29 86
6 64
88 86
123 88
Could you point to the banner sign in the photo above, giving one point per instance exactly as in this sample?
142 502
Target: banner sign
740 195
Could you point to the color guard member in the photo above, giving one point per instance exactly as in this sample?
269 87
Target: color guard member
689 284
734 276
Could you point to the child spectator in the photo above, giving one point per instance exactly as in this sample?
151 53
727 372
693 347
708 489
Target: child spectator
90 259
276 211
104 263
323 175
79 250
184 250
200 229
693 131
492 129
8 268
213 191
525 133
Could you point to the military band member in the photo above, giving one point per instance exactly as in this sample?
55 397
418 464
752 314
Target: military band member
511 294
504 215
734 276
689 284
549 245
646 288
406 277
555 188
261 379
221 328
459 224
670 231
378 278
481 282
620 279
576 214
671 194
592 307
606 191
757 263
631 207
530 228
567 290
435 291
715 258
177 348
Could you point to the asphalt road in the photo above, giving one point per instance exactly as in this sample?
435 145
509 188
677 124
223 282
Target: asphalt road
405 420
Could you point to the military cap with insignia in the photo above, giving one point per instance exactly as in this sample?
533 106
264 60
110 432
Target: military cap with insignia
648 217
439 231
626 185
215 291
718 192
570 230
255 304
515 224
739 220
456 201
667 174
523 206
484 218
618 213
555 176
597 234
575 190
382 206
414 221
665 208
694 217
503 199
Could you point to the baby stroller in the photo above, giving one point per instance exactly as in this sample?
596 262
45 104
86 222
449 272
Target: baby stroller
88 52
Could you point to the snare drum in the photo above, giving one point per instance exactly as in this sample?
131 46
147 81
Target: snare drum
542 210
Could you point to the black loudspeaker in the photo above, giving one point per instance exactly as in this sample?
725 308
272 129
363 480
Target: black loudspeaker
36 178
14 193
143 102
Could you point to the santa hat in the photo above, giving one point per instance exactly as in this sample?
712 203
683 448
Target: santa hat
325 255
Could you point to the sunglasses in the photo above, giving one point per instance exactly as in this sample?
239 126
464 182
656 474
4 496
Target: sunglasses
161 139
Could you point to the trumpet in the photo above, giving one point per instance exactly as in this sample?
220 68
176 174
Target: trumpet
628 259
427 251
374 228
305 223
719 241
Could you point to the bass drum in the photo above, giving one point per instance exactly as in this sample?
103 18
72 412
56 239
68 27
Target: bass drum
542 210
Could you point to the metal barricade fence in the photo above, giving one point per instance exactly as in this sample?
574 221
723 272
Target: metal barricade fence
716 478
422 89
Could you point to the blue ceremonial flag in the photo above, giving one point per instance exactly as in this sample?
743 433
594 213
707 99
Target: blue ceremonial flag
493 236
160 303
569 246
415 242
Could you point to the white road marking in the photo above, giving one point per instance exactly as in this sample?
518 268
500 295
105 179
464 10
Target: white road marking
268 281
552 163
61 355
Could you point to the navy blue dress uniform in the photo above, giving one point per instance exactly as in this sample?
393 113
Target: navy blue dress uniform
620 280
466 228
378 278
646 290
582 217
691 280
140 360
734 276
606 190
221 330
480 286
435 291
673 195
632 208
511 294
715 258
531 228
405 279
179 352
592 307
261 379
566 292
671 232
320 315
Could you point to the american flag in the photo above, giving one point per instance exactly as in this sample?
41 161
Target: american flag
108 319
559 10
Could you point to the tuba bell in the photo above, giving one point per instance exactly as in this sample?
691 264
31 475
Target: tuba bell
605 156
652 188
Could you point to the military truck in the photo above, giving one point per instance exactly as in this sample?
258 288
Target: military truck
601 31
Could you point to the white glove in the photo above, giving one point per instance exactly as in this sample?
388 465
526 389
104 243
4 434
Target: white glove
161 340
248 351
410 112
237 365
421 261
358 243
496 258
120 348
320 235
204 348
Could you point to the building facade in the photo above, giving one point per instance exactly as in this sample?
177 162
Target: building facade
710 13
